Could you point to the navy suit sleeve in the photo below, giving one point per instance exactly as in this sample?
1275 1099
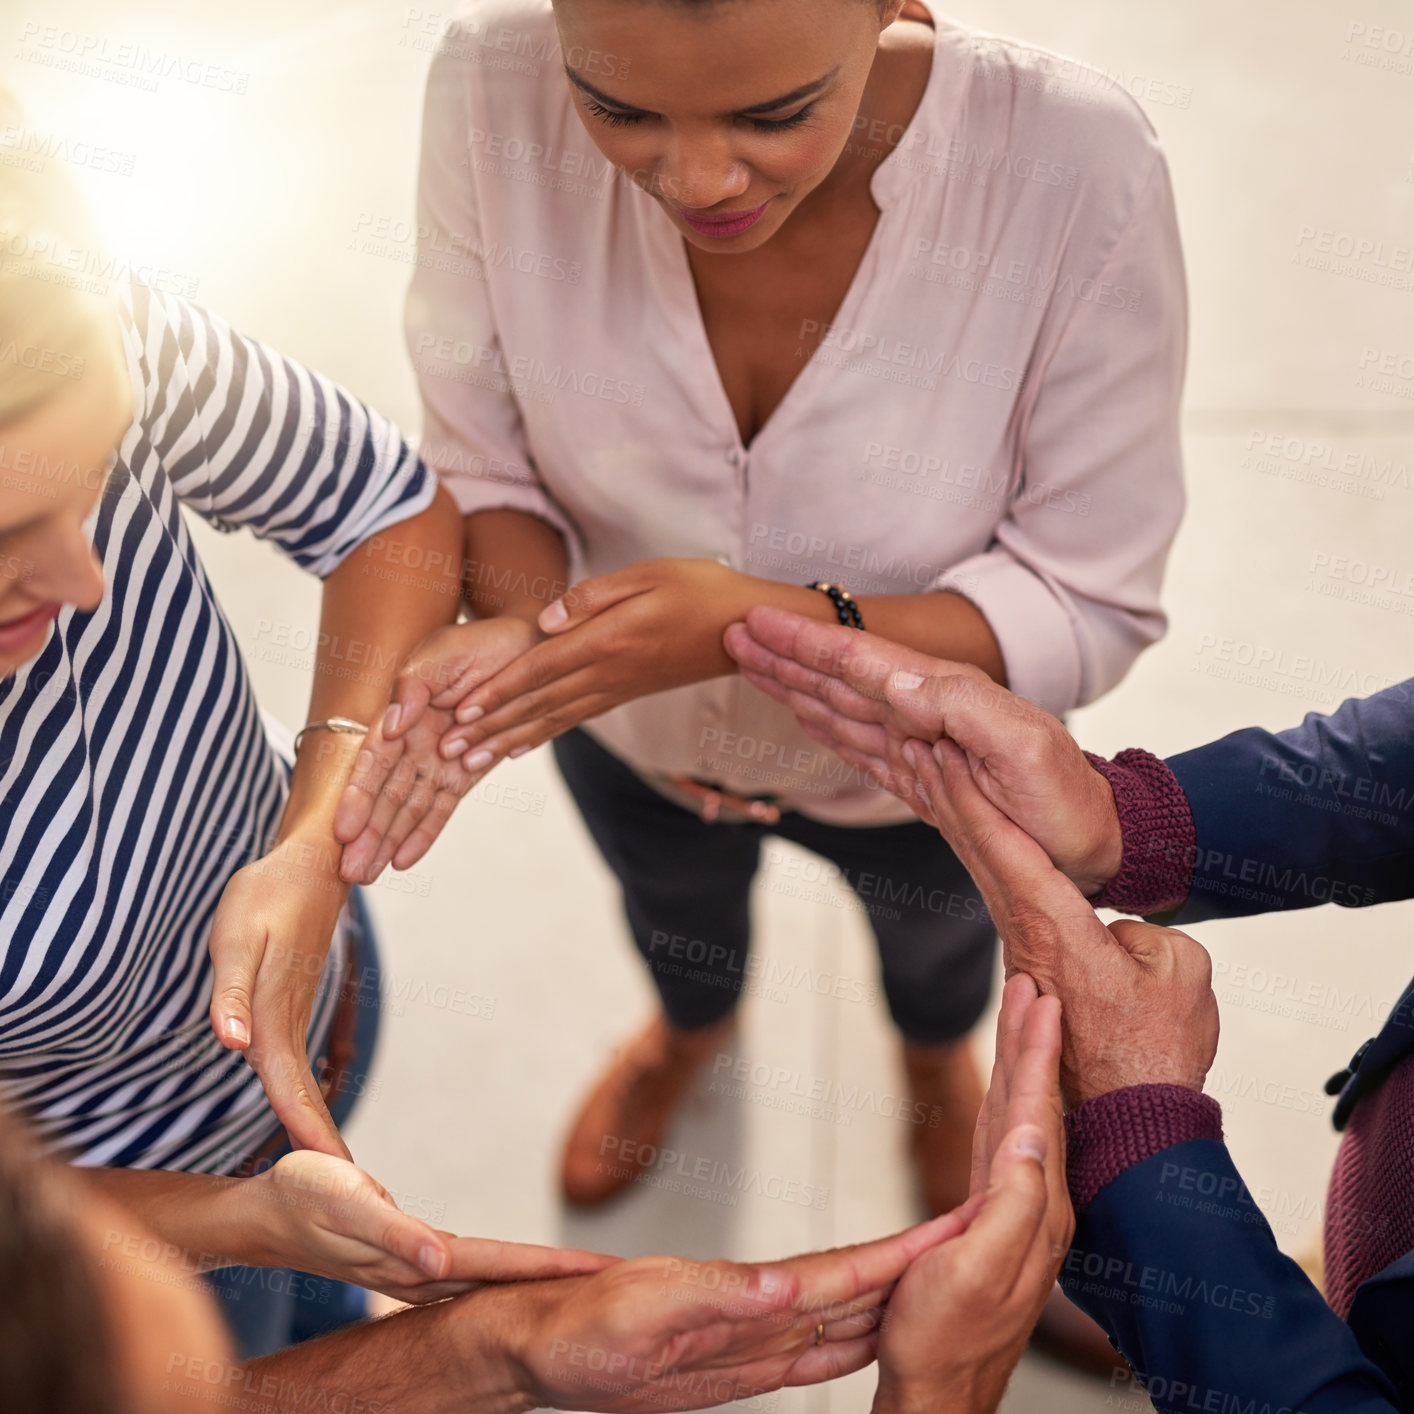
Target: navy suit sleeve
1177 1263
1322 813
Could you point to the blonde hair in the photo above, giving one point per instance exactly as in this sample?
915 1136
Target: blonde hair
51 324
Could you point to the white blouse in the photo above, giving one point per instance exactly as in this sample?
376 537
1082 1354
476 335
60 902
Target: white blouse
994 410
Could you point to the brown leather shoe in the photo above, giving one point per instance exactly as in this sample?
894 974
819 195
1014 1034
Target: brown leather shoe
618 1132
946 1088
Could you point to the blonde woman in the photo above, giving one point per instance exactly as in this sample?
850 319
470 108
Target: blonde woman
162 867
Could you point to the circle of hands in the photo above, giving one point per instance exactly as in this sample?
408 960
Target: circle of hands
945 1306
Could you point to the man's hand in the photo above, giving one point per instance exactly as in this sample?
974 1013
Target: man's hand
269 939
323 1215
1139 1004
663 1333
961 1314
866 697
404 789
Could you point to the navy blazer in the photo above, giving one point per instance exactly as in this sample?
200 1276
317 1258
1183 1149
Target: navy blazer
1174 1258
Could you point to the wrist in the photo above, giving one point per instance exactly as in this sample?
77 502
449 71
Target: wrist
322 768
215 1225
255 1225
306 854
488 1333
1158 841
933 1396
1106 858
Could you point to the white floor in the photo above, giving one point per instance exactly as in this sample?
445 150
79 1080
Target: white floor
1279 119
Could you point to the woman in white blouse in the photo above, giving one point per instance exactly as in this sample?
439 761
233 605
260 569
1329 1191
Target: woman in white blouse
715 302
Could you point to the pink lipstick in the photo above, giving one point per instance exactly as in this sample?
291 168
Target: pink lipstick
15 633
733 223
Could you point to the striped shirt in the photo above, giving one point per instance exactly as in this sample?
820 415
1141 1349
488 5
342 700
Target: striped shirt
136 775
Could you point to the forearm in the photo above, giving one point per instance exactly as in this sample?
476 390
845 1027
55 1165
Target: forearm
1174 1259
380 603
445 1358
199 1213
514 564
941 625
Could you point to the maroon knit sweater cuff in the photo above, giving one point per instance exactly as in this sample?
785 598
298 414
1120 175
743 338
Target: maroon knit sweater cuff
1113 1132
1156 835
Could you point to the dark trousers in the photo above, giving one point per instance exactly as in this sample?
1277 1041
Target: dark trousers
686 887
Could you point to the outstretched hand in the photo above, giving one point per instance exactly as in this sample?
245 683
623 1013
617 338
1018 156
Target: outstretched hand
404 788
269 940
323 1215
866 697
1139 1003
961 1314
663 1333
651 626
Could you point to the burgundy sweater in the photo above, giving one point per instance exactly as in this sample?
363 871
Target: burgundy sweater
1370 1205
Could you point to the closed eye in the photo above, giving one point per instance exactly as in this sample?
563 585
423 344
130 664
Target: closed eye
615 118
610 116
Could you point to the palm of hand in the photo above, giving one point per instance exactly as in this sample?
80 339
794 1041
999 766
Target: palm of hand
404 788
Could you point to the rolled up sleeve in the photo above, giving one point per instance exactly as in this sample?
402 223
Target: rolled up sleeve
1071 583
473 434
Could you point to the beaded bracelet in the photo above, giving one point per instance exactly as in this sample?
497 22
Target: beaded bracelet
843 601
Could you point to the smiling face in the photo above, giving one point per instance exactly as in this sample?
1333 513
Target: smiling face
728 112
66 400
55 458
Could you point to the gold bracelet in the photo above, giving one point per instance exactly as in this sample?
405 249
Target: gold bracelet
332 724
